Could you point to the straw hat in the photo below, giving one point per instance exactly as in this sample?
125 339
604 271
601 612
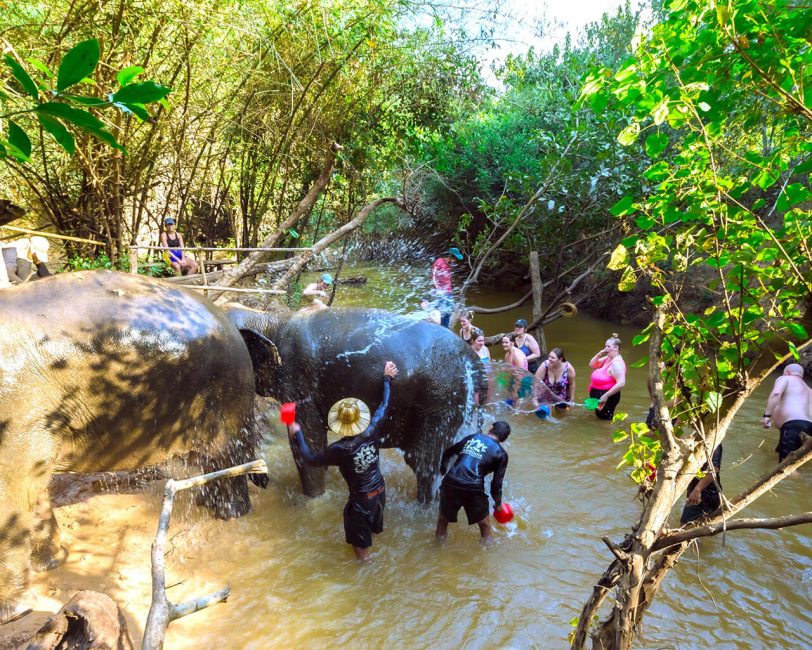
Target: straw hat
348 417
39 247
568 309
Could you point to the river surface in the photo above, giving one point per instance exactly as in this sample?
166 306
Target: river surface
296 584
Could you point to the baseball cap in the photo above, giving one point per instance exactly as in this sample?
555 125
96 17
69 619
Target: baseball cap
169 221
455 252
520 323
327 278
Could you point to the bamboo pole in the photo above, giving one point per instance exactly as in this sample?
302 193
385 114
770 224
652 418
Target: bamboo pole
52 236
214 287
161 611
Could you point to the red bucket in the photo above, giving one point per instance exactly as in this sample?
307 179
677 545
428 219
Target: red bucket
503 513
287 413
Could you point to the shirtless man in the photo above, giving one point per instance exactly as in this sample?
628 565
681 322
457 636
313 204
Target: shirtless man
315 291
789 407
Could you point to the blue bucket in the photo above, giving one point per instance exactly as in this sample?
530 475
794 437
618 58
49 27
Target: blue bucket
543 412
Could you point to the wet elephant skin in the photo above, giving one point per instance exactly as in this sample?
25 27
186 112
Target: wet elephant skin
334 353
107 371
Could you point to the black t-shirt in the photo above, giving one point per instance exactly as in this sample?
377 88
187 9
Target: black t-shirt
710 495
477 456
356 456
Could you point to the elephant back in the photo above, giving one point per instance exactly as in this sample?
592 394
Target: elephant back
340 352
130 370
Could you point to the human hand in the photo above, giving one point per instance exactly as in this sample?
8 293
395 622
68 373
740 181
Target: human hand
695 497
390 369
602 400
766 421
293 429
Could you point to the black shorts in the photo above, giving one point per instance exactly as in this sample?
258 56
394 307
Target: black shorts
607 412
453 497
362 517
790 438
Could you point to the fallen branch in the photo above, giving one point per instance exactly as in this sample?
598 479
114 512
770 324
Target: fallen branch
324 242
232 276
161 611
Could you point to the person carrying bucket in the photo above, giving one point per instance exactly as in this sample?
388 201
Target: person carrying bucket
356 456
464 486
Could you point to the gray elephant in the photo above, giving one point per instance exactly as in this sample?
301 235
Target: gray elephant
107 371
334 353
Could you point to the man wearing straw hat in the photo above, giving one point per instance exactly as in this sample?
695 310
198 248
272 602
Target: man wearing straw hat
356 456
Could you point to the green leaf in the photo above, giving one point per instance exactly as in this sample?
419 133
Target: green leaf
619 258
619 436
126 75
627 280
145 92
794 351
640 363
293 233
793 194
59 132
6 148
75 116
22 76
713 401
798 330
660 112
656 144
78 63
628 136
136 109
18 138
623 207
39 65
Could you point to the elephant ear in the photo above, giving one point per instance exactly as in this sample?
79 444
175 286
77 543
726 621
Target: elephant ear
265 359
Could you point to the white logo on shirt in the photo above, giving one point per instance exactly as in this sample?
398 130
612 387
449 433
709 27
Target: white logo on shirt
364 458
475 448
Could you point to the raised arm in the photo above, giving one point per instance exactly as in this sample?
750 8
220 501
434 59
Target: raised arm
498 477
375 424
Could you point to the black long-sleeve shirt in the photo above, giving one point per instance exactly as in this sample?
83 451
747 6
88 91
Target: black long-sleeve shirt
477 456
356 456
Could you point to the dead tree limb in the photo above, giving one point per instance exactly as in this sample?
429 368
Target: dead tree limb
161 611
324 242
232 276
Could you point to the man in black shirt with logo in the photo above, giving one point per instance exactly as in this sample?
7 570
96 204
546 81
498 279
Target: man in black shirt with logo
356 455
464 486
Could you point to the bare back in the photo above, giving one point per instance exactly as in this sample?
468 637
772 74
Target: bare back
795 402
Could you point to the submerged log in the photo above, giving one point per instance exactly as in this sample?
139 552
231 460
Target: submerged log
89 621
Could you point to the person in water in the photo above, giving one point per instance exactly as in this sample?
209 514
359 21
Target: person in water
789 407
527 344
441 278
478 345
464 485
703 493
356 456
517 362
172 240
316 292
466 327
558 375
608 377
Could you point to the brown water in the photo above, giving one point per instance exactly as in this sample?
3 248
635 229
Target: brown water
295 582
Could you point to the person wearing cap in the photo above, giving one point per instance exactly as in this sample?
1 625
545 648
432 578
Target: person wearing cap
527 344
356 456
441 277
464 485
172 240
315 291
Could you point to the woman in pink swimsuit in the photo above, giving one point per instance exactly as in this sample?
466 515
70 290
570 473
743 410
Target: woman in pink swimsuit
608 377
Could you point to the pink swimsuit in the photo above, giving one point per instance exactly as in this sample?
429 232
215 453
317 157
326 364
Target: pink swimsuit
601 379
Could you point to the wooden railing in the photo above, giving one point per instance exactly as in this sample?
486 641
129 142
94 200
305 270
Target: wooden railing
205 287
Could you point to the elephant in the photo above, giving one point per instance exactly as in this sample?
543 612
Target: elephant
103 371
333 353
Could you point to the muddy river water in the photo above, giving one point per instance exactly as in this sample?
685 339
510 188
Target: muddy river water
296 584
